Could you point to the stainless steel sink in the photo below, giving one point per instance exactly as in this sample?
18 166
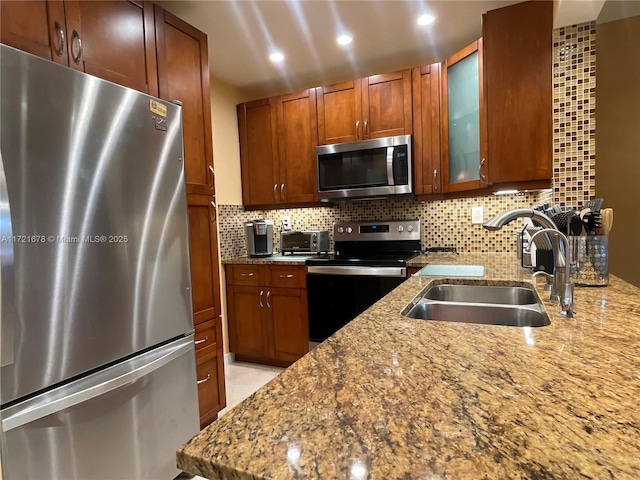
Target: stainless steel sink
515 306
504 295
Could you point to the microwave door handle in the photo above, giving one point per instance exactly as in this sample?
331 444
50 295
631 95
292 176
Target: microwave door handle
390 166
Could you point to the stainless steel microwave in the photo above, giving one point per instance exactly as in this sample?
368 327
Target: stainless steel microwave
369 168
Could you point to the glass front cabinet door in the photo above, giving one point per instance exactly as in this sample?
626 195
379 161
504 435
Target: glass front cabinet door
464 121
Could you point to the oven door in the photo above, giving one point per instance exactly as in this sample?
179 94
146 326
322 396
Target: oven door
338 294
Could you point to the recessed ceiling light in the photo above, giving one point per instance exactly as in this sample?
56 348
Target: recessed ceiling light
344 39
276 57
426 19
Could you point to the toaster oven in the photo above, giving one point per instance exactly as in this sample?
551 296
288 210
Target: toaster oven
316 241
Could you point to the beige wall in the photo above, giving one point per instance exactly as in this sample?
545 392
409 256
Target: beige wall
618 139
226 162
226 149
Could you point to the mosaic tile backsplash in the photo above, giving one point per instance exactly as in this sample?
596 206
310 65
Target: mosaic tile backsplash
448 222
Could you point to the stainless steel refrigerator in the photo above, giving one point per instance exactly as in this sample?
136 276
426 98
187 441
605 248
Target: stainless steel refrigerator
98 373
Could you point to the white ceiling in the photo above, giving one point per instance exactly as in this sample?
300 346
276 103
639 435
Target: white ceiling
386 37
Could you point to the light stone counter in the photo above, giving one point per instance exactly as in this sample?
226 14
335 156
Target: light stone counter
391 397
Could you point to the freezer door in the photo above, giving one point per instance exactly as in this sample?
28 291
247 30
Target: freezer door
95 260
125 422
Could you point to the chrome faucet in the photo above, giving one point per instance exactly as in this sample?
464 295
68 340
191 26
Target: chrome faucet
562 288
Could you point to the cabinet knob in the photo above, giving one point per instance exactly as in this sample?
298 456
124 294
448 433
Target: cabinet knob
282 192
357 129
435 181
206 379
215 212
275 189
268 295
261 304
198 342
213 176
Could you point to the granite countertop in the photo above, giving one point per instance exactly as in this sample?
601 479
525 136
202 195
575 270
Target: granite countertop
275 259
392 397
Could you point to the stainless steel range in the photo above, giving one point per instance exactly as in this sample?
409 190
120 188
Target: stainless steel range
370 260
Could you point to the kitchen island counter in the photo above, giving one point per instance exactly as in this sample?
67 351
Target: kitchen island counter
392 397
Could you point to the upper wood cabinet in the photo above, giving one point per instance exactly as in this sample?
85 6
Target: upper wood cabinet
258 151
183 74
372 107
464 137
297 141
113 40
427 169
278 137
37 27
518 73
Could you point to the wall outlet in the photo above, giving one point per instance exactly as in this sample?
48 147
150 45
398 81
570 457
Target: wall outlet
477 215
286 223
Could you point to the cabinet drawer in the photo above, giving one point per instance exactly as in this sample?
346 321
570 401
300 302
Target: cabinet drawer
206 336
245 275
288 276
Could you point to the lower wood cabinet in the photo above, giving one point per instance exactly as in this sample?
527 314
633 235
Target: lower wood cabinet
210 370
267 313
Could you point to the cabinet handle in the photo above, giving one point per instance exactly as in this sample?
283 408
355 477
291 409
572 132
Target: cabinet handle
483 178
435 182
76 47
198 342
261 292
366 129
282 192
250 274
215 211
60 38
288 276
213 176
357 129
275 197
268 295
200 382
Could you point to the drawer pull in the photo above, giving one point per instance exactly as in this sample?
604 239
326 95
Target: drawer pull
288 276
198 342
246 274
200 382
261 292
268 295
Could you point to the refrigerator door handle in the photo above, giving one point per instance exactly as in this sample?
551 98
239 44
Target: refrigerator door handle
117 376
7 286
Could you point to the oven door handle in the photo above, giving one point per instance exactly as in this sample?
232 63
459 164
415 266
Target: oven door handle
359 271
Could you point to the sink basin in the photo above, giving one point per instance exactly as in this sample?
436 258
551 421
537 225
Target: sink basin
487 314
503 295
515 306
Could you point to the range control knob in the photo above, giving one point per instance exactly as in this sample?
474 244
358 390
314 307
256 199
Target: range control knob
410 228
340 230
349 230
400 228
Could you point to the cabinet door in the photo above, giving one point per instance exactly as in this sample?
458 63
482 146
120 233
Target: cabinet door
289 323
183 74
114 40
259 152
426 140
518 59
463 121
36 27
297 140
203 250
210 381
247 312
386 105
339 113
